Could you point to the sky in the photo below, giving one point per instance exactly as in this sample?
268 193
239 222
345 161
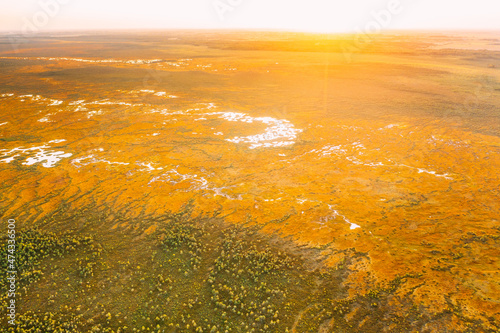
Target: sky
293 15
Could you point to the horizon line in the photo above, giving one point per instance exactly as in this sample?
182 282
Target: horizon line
222 29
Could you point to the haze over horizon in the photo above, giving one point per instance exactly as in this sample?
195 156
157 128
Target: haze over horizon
311 16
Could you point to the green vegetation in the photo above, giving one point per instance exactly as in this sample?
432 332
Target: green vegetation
32 246
192 274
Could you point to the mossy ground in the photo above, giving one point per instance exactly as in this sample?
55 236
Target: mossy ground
404 142
194 274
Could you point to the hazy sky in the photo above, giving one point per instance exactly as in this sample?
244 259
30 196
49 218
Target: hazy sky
302 15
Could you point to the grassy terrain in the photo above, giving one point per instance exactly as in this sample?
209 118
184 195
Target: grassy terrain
371 205
195 274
